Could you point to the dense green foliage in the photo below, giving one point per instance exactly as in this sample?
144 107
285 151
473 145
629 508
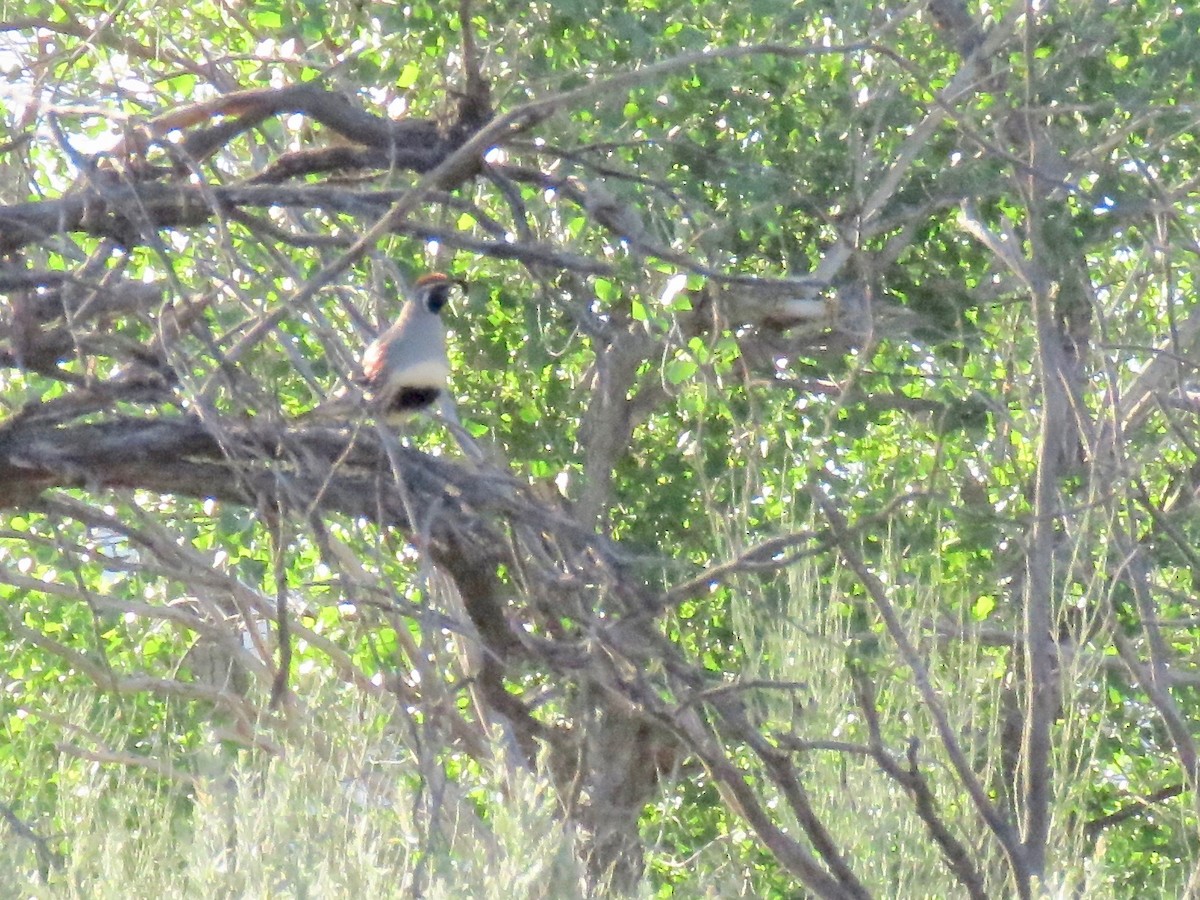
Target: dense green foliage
858 342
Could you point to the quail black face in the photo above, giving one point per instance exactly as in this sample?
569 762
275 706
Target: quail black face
437 295
433 291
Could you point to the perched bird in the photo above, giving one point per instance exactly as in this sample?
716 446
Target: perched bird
406 367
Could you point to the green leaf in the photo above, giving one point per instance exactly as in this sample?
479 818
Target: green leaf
409 76
679 370
983 607
605 289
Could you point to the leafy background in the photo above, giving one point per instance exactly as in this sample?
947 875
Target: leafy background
832 370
